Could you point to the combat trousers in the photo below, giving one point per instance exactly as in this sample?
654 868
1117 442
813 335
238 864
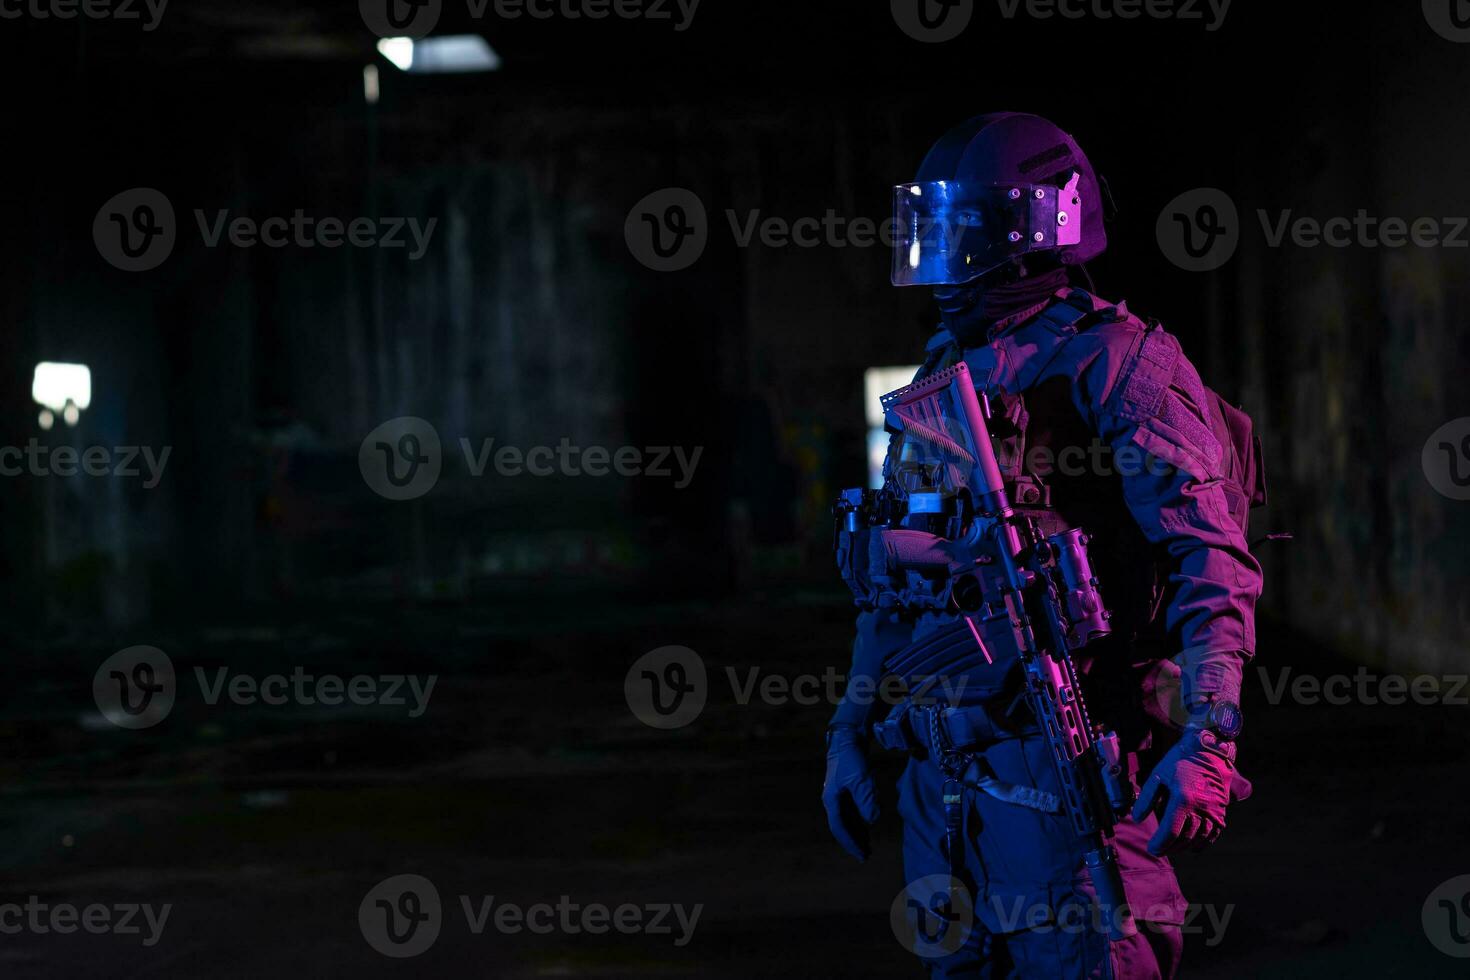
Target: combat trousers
1032 902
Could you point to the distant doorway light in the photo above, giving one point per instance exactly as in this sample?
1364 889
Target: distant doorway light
878 382
55 384
370 84
440 55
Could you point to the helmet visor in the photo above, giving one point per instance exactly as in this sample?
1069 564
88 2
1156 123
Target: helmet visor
948 232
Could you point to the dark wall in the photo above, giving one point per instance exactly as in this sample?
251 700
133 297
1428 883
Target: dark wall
528 320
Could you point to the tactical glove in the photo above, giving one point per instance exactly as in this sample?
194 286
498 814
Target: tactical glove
848 793
1190 788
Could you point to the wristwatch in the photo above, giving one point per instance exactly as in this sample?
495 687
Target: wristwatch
1224 719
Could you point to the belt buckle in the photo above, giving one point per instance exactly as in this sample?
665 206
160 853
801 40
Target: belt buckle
950 761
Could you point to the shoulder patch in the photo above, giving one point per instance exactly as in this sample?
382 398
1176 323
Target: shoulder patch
1146 377
1161 393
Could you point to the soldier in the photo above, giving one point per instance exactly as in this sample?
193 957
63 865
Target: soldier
1102 423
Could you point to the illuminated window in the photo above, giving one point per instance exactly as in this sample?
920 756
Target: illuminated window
441 55
877 382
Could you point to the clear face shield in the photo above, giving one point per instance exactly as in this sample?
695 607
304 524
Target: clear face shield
949 232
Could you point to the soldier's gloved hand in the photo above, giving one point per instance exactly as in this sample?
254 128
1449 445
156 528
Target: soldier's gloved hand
1191 787
848 793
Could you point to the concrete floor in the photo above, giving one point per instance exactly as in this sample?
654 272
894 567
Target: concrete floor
529 779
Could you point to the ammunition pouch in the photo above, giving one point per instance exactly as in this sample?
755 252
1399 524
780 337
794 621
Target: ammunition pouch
977 700
898 568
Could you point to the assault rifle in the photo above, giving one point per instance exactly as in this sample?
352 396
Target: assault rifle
1039 587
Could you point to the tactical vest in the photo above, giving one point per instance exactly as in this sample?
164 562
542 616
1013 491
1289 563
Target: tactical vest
1060 472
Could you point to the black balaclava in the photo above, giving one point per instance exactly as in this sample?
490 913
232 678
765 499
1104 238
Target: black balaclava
971 312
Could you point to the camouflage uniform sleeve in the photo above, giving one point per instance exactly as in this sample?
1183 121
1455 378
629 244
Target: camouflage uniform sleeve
1147 401
879 633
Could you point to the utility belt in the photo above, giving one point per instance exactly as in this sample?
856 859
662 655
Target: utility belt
935 728
955 738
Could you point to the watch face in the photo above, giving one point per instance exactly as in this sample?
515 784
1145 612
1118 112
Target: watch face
1226 719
